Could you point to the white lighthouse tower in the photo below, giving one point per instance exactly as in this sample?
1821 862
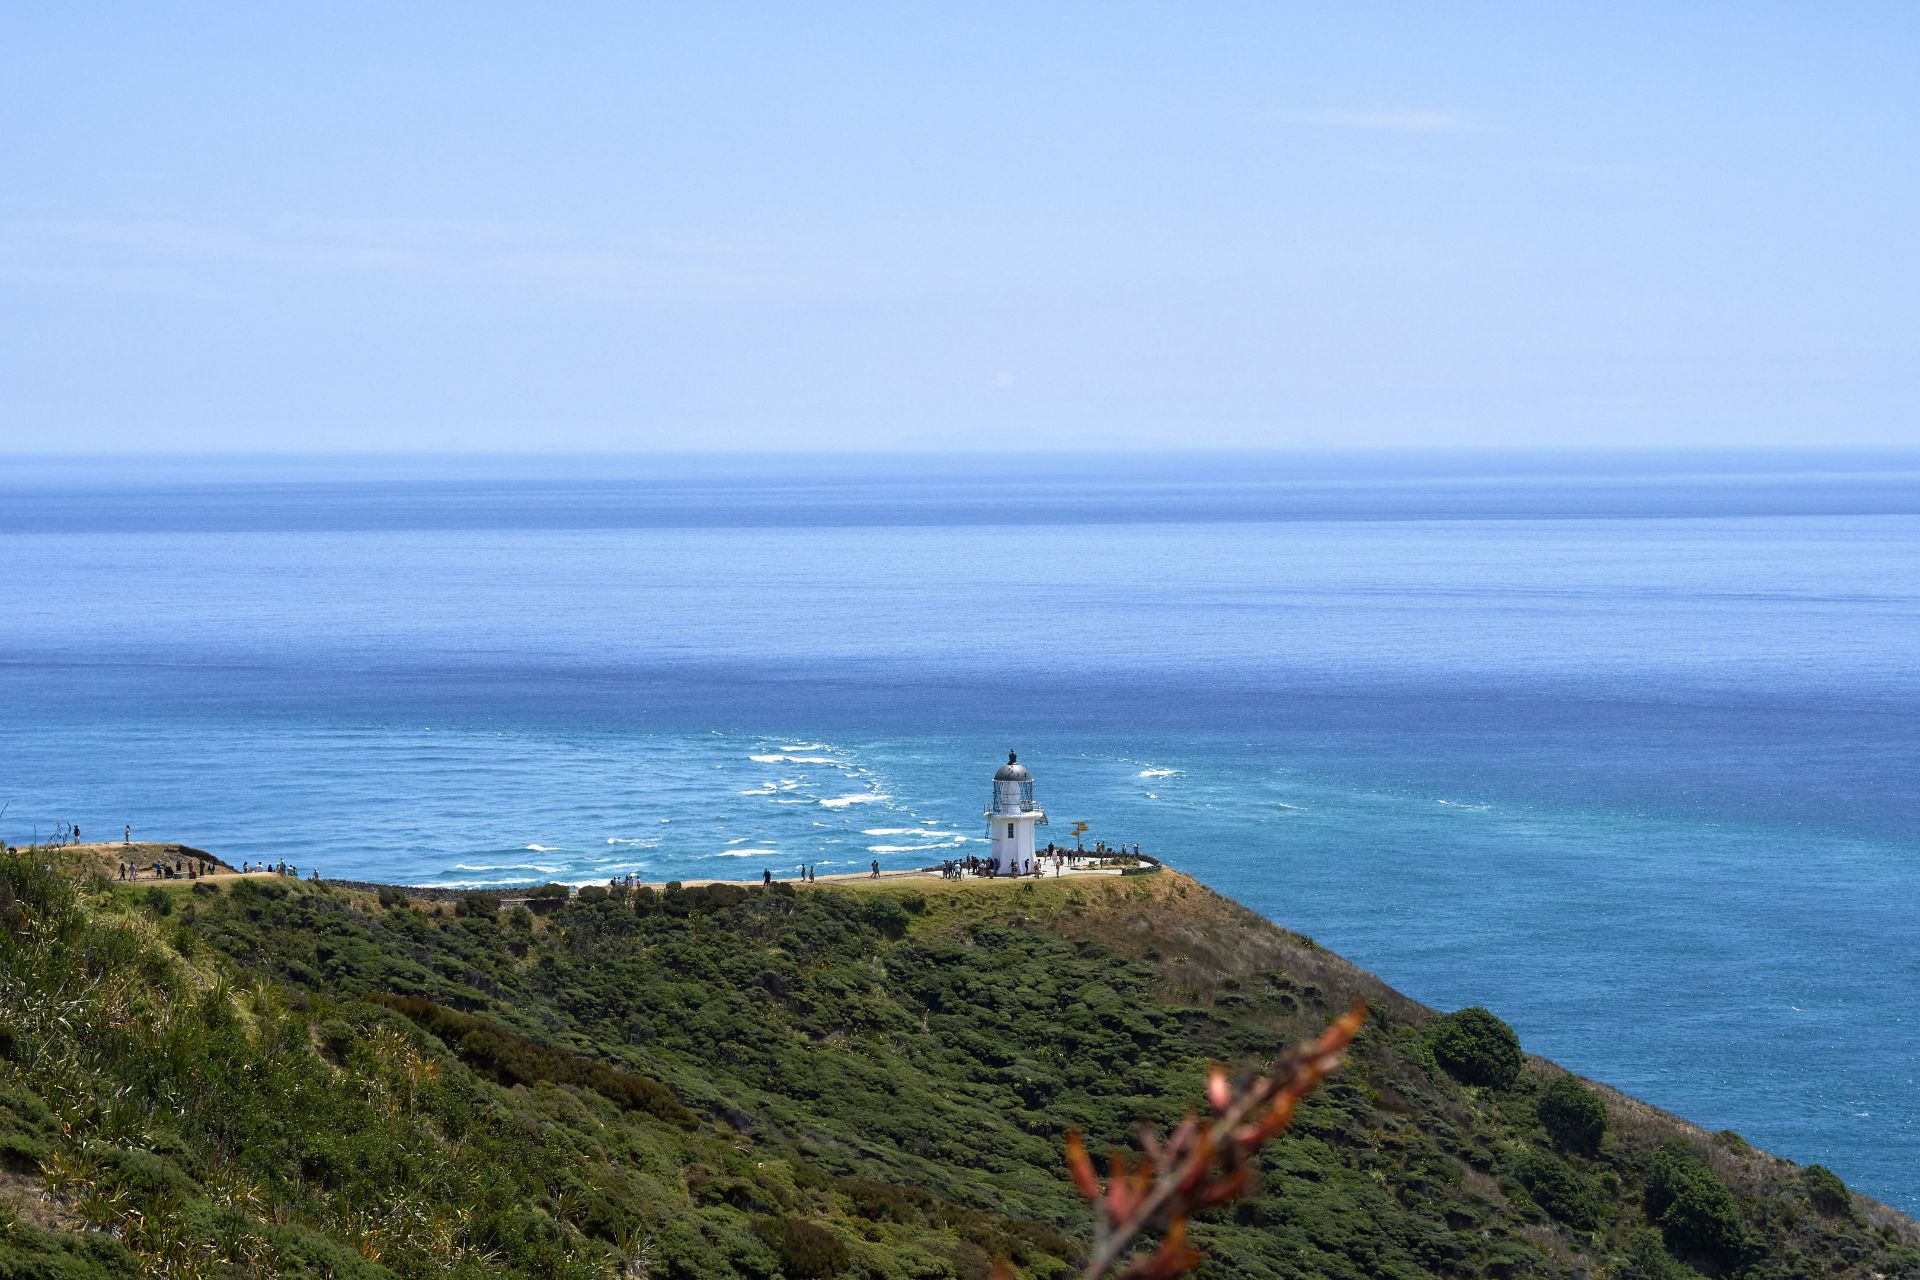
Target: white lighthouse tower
1012 817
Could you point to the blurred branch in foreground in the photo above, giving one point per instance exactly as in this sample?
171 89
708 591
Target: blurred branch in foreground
1197 1167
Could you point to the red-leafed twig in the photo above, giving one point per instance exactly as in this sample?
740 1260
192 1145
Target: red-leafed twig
1194 1166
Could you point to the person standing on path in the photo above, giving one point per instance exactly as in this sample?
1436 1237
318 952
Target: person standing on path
766 877
876 869
128 838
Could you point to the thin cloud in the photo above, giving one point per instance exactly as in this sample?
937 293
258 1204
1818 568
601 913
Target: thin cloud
148 254
1384 119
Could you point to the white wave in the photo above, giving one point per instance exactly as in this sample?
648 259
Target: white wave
540 848
913 848
747 853
766 789
908 831
642 842
740 840
865 797
1157 773
787 759
505 866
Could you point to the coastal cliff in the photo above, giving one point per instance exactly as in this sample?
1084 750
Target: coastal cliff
264 1077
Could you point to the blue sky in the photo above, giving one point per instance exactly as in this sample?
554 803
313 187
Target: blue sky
841 226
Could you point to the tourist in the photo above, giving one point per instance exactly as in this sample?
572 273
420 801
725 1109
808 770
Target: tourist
876 869
766 877
128 838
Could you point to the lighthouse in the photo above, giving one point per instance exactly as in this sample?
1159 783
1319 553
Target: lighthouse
1012 817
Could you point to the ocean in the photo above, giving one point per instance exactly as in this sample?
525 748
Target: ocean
1623 747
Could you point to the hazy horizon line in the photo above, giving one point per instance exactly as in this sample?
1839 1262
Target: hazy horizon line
1063 451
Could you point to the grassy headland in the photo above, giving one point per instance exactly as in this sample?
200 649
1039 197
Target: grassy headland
263 1077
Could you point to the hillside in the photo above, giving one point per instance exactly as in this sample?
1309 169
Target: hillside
260 1077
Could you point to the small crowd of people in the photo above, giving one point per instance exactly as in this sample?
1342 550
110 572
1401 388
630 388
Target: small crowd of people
1051 858
167 869
194 868
276 869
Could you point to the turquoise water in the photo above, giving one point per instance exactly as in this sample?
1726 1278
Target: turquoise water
1623 748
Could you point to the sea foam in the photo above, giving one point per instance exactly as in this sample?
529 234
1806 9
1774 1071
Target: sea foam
865 797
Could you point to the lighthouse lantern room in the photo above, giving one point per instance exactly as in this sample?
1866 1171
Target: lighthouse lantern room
1012 817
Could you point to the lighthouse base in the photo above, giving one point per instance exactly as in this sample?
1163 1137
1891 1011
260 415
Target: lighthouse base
1012 839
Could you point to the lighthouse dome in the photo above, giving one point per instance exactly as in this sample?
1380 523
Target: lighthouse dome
1013 771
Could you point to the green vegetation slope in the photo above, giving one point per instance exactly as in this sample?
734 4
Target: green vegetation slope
269 1078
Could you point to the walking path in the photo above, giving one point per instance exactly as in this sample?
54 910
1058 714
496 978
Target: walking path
110 856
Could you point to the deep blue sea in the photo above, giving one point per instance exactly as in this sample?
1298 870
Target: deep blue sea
1626 748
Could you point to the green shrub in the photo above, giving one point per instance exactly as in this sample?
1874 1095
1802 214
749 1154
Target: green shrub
885 916
1694 1209
1565 1195
1572 1114
549 893
1474 1047
479 906
878 1201
159 901
1647 1259
1829 1195
29 1253
147 1177
336 1036
21 1152
716 897
591 894
807 1251
512 1058
391 898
